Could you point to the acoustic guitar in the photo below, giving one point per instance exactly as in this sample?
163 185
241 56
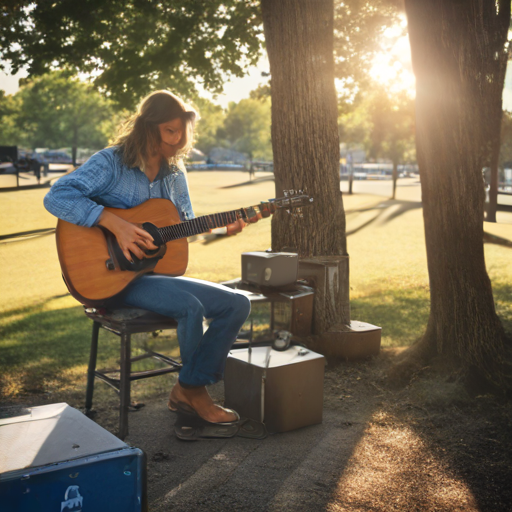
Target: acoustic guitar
95 268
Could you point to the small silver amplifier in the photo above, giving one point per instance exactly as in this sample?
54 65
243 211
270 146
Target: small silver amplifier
270 268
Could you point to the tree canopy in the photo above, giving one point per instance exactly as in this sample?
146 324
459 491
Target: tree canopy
208 126
131 47
384 124
247 128
358 29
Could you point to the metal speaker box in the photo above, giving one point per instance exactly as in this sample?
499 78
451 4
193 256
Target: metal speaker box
282 389
270 268
53 458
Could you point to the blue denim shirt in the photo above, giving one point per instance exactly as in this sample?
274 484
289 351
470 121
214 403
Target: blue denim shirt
104 180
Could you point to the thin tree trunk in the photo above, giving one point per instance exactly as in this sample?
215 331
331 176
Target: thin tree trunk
492 207
350 166
450 46
497 68
305 141
395 177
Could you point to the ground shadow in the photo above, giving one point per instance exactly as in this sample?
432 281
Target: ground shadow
471 439
297 470
251 182
381 209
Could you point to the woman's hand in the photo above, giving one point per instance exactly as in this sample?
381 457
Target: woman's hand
237 226
130 237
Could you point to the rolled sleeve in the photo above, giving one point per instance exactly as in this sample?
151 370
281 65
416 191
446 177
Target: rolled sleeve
70 198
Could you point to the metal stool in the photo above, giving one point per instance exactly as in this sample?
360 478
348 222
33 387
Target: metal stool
124 323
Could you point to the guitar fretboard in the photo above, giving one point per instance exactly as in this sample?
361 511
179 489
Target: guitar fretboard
198 225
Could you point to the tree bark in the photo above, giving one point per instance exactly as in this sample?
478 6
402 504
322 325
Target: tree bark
305 140
450 45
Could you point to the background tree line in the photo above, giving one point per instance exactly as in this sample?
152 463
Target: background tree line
57 110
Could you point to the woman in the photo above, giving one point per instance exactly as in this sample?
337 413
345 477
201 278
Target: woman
144 163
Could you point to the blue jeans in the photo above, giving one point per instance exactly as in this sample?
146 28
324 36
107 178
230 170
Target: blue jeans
189 301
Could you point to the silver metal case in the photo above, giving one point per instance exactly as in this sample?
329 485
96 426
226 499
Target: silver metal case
270 268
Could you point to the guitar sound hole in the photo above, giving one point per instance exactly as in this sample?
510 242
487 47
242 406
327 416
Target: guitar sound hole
152 252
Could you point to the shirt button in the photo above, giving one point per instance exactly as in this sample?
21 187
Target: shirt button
151 185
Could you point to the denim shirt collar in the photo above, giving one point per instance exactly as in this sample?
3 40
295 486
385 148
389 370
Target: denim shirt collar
165 170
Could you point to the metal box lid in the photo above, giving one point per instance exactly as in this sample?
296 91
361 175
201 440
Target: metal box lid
270 255
259 355
48 434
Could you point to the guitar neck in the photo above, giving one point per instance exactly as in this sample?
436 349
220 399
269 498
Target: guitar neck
205 223
200 225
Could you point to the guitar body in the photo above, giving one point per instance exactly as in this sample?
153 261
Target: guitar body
83 253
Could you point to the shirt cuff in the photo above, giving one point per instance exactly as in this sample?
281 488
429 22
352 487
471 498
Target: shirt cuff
94 215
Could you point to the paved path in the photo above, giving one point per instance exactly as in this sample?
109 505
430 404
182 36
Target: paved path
295 471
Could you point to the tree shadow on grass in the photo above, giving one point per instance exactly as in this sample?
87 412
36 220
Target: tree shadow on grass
251 182
403 313
381 210
45 354
39 347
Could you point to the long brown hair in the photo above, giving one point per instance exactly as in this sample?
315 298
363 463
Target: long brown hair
139 134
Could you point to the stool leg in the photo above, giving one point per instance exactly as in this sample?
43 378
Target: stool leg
124 384
92 367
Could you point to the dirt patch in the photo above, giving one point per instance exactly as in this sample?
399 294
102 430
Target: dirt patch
428 446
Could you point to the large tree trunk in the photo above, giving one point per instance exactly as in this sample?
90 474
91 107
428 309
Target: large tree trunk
450 44
305 141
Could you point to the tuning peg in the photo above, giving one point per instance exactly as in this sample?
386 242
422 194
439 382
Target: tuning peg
285 192
292 192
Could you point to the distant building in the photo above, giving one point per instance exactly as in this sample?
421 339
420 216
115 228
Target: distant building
224 155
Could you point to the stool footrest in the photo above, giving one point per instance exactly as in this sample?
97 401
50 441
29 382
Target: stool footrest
113 382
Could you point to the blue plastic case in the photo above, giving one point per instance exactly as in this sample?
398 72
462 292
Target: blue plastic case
112 479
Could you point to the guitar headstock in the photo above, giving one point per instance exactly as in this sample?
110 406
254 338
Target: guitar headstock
293 201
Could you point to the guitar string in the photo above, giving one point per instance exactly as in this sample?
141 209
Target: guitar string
204 223
197 225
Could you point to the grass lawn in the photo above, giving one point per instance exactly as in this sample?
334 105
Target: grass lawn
44 335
